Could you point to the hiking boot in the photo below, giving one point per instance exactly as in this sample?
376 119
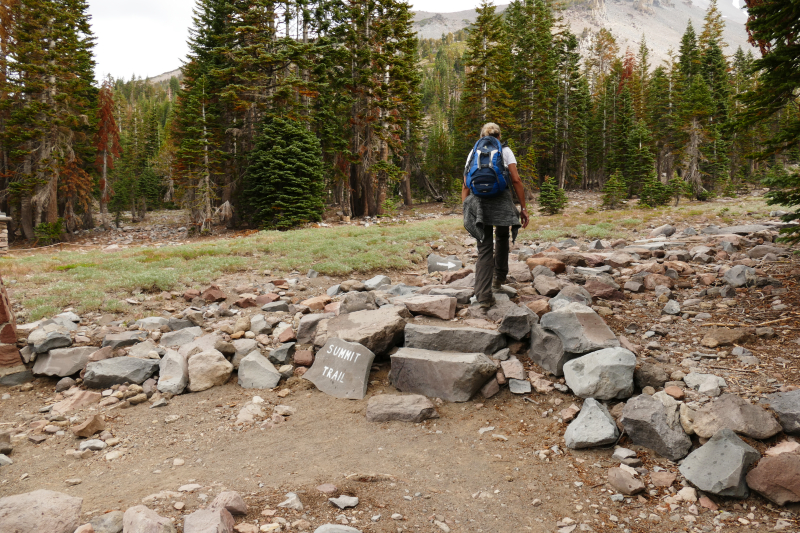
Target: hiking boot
488 304
497 283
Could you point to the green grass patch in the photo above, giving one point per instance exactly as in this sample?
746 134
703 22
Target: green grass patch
601 230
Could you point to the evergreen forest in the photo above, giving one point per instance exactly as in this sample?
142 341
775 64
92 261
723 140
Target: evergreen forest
285 109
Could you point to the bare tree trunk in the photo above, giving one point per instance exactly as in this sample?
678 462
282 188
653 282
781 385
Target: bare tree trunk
26 217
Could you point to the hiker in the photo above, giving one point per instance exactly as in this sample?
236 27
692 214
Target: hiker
489 207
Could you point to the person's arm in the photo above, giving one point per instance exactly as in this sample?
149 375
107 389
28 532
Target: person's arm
516 182
464 190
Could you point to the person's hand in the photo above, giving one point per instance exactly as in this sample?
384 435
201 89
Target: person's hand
524 218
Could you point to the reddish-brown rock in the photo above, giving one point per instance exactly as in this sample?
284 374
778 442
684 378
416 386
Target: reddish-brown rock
598 289
89 427
777 478
675 392
191 294
707 279
248 301
651 281
8 334
287 336
553 264
540 307
317 303
213 294
450 277
304 357
663 479
266 298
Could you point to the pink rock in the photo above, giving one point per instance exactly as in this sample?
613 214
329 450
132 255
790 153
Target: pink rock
441 306
513 369
41 511
317 303
288 335
76 401
85 528
624 482
663 479
266 298
213 294
231 501
209 521
787 446
777 478
706 502
491 388
327 488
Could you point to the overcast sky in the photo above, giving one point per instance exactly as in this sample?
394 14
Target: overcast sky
148 37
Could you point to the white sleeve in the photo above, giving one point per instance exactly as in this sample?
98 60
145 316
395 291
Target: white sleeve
508 156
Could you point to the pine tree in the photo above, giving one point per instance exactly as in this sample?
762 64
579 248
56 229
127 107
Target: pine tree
108 147
654 193
552 198
283 184
614 191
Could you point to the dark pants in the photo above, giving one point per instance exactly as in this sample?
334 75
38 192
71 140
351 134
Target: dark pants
492 261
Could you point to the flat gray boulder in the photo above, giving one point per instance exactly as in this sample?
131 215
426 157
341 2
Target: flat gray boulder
518 321
357 301
462 296
256 372
739 276
571 294
737 414
124 339
181 337
40 511
152 323
593 426
787 406
720 465
379 330
603 375
437 306
173 373
378 282
404 408
42 340
446 339
454 377
63 362
119 370
580 329
647 423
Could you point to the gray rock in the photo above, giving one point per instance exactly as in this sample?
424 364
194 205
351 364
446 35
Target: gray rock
580 329
173 374
757 252
720 465
787 406
672 308
444 339
177 324
63 362
665 230
119 370
439 264
342 369
378 282
40 511
454 377
649 375
5 461
541 270
633 286
292 501
336 528
518 321
231 501
519 386
94 445
737 414
256 372
570 294
16 378
274 307
69 315
603 375
344 502
740 276
401 289
646 422
146 350
151 323
259 325
404 408
244 347
502 355
50 341
209 521
143 520
65 384
548 286
181 337
124 339
108 523
378 330
707 384
282 354
308 327
547 351
357 301
462 296
333 291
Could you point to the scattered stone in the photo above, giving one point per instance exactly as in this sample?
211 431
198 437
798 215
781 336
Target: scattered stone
110 522
646 421
119 370
740 276
65 384
275 307
777 478
63 361
454 377
553 264
209 521
594 426
336 528
344 502
650 375
707 384
453 339
491 388
378 282
403 408
716 337
737 414
78 400
124 339
307 329
89 427
665 230
282 354
292 501
257 372
604 374
663 479
672 308
518 386
341 369
517 322
624 482
787 406
208 369
719 466
40 511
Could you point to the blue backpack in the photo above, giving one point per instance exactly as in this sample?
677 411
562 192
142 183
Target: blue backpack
485 171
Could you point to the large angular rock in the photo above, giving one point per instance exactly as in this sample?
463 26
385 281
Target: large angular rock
624 482
787 406
45 341
357 301
518 321
403 408
440 306
126 338
547 350
146 350
646 422
580 329
378 330
208 369
308 327
720 465
209 521
200 344
737 414
143 520
40 511
707 384
453 339
119 370
570 294
378 282
650 375
176 339
603 375
454 377
256 372
548 286
594 426
777 478
63 361
342 369
231 501
740 276
173 374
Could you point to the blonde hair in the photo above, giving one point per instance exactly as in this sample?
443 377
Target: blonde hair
490 128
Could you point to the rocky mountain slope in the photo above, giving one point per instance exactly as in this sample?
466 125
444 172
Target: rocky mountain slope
662 26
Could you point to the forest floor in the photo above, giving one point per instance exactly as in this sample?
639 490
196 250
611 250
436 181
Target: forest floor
444 470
